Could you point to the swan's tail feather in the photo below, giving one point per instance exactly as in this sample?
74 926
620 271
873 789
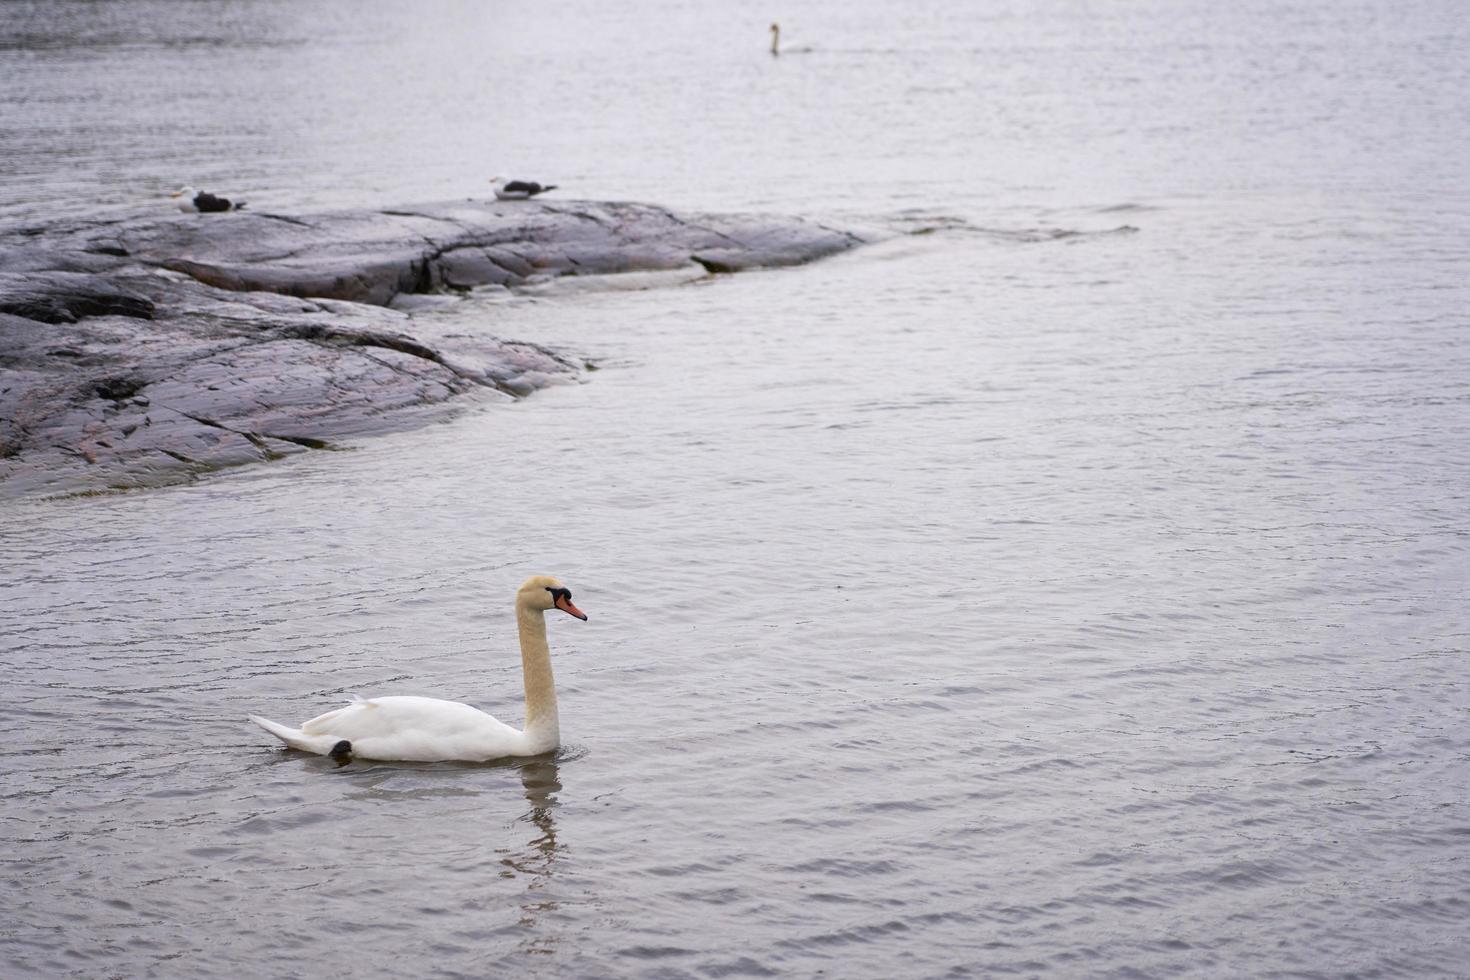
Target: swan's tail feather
295 737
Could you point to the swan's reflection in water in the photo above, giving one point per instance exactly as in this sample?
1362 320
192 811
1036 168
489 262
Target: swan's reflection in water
537 862
534 862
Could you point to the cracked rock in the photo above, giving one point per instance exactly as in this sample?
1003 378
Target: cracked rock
153 349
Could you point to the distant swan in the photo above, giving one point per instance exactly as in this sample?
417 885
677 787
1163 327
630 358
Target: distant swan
414 729
191 201
776 43
518 190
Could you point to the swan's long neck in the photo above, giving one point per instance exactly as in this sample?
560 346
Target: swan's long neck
542 725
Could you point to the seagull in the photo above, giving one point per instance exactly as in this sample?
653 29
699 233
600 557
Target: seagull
518 190
191 201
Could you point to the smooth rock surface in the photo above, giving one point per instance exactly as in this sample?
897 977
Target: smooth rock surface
146 351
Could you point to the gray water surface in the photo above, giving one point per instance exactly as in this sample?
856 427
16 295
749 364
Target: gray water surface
1076 590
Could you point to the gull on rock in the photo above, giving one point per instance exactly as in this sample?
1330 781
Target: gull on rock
518 190
192 201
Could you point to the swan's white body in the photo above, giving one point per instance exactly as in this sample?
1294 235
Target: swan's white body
414 729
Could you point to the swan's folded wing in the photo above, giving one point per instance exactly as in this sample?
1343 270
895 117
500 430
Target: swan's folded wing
325 723
394 716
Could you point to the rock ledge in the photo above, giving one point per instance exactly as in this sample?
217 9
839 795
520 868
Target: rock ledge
150 350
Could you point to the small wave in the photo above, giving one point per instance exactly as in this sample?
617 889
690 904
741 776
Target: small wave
742 967
899 806
614 282
713 896
655 952
680 870
917 223
844 867
845 937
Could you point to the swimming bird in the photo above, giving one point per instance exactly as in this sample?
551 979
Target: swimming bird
415 729
776 43
191 201
518 190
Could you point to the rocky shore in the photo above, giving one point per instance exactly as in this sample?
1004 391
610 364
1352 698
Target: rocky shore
149 349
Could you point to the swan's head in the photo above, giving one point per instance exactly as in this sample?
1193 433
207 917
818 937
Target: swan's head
546 593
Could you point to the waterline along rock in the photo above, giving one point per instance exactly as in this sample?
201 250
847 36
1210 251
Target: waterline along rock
145 350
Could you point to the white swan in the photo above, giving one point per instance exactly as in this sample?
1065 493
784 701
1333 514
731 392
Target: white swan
776 43
413 729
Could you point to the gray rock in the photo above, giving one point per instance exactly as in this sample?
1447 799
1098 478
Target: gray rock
154 349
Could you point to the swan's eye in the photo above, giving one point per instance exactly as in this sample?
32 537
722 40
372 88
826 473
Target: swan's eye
559 594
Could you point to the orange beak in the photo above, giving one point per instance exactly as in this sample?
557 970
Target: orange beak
565 605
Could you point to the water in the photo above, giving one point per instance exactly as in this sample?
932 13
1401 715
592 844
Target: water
1078 590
